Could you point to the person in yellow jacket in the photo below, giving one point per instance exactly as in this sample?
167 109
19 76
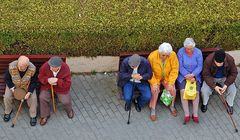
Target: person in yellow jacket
165 67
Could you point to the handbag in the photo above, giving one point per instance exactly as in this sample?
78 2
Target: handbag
190 90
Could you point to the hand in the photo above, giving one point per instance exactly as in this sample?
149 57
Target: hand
192 80
136 76
54 84
189 76
169 87
155 89
27 95
12 89
139 77
223 89
218 90
52 81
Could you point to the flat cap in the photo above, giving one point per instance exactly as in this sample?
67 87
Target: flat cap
55 61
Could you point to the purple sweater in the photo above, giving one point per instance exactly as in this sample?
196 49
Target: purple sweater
188 65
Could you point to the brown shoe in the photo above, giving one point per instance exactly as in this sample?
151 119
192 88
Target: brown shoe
43 121
70 114
173 111
153 117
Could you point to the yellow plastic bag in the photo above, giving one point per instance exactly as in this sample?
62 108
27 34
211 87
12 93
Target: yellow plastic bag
190 91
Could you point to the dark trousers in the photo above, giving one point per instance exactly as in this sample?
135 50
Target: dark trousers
45 98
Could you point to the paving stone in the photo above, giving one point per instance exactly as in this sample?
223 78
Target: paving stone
100 114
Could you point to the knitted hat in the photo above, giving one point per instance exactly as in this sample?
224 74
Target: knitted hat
55 61
219 56
134 60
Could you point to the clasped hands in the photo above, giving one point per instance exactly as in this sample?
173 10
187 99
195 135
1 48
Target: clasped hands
190 77
136 76
220 90
52 80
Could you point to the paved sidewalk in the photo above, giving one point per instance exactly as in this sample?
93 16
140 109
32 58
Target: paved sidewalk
100 115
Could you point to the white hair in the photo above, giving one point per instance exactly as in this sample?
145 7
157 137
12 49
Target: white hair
165 48
189 42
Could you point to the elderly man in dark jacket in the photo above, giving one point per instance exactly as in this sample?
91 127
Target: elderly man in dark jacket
135 71
219 74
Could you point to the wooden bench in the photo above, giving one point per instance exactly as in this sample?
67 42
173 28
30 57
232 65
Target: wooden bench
37 60
123 55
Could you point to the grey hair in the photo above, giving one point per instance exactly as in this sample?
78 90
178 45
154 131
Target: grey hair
165 48
189 41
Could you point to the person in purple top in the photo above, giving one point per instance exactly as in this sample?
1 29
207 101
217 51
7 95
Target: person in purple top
190 67
135 71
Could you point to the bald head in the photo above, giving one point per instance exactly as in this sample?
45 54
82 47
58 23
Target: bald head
23 63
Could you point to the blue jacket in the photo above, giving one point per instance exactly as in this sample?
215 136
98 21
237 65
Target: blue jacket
144 69
188 65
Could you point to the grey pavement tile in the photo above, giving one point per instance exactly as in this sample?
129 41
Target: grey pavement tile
100 114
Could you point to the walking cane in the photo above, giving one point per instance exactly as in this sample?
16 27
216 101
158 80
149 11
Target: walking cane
225 104
18 94
15 118
129 114
53 99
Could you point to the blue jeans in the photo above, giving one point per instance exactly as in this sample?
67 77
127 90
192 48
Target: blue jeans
145 92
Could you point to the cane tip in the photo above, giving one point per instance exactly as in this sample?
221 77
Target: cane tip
236 130
128 122
12 125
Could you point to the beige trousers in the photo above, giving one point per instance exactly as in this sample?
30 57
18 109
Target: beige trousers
8 101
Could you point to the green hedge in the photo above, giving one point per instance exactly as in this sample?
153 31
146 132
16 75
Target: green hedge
101 27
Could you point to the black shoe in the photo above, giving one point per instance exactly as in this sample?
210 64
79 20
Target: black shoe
7 117
230 109
127 107
33 121
137 106
204 108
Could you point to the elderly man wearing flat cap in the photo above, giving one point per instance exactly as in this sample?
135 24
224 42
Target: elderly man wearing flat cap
135 71
219 73
21 74
56 73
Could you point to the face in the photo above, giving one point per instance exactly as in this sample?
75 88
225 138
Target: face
22 66
218 64
164 56
189 49
55 69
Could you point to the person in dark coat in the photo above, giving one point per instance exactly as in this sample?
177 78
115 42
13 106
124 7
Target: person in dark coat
219 73
135 71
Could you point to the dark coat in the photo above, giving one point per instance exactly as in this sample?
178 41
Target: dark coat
210 69
144 69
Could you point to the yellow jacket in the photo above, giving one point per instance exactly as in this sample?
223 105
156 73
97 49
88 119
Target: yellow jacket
170 68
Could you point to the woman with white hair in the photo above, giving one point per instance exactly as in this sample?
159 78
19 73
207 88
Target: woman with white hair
190 66
164 65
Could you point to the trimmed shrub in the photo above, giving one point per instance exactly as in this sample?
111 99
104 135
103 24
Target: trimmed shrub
100 27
